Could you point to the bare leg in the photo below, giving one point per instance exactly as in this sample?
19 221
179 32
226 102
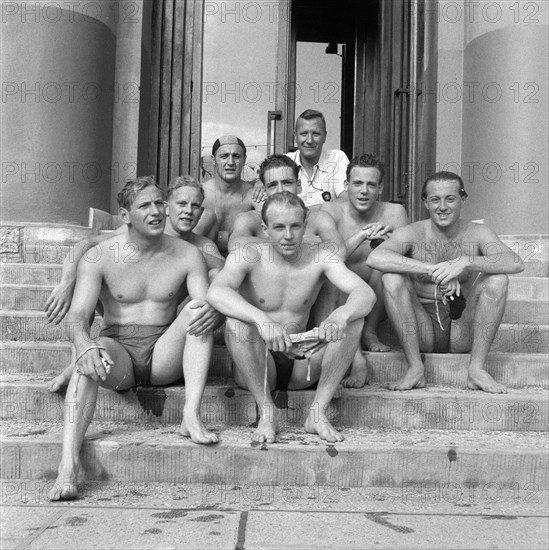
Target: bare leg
61 380
485 308
409 320
369 333
358 376
247 350
79 410
177 353
335 362
78 414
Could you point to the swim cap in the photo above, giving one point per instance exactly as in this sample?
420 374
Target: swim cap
227 140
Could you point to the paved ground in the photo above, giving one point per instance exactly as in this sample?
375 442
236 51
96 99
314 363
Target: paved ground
161 515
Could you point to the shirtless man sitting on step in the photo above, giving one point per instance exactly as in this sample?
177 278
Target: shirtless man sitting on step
267 293
360 219
163 271
427 266
185 197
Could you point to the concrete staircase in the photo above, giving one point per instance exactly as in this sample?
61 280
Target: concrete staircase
443 434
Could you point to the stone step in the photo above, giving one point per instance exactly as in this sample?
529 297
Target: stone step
373 407
521 288
40 361
44 360
30 274
33 326
526 337
415 461
39 243
534 251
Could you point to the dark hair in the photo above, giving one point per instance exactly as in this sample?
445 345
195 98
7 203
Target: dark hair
132 188
283 198
275 161
366 161
444 176
184 181
227 140
310 114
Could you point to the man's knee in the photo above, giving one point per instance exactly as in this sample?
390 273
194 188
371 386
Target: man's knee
393 282
496 285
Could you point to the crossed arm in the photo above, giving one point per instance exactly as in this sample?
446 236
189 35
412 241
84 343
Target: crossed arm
485 253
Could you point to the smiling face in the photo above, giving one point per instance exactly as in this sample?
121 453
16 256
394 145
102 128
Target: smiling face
229 161
364 187
285 228
185 208
443 202
281 178
310 136
147 214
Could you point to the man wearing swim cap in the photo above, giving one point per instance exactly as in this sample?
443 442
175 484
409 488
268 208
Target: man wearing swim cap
226 194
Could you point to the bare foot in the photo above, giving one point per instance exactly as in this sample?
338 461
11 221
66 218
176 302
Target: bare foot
192 427
372 343
318 424
60 381
481 380
64 487
413 378
359 372
266 430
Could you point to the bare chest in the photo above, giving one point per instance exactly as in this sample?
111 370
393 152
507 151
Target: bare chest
436 250
274 288
160 282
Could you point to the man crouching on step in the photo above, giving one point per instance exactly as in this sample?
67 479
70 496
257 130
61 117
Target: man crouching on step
266 289
144 286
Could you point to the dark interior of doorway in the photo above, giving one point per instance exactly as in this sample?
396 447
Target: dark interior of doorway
338 22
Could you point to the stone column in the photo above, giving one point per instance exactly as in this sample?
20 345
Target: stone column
126 97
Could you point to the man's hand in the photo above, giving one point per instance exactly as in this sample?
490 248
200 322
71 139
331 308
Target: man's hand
91 364
59 302
376 230
258 193
444 272
274 335
206 319
333 327
453 287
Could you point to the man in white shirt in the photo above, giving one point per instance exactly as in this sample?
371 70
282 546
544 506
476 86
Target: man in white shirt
321 171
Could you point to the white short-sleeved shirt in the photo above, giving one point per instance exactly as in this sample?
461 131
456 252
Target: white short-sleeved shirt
328 175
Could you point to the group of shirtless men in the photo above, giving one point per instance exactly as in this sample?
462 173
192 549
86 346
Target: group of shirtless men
272 270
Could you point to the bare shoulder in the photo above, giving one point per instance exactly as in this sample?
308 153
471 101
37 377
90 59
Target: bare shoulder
208 184
394 213
180 250
334 209
478 232
413 231
247 220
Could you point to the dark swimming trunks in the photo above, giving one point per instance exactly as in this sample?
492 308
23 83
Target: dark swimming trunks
139 342
284 368
442 337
